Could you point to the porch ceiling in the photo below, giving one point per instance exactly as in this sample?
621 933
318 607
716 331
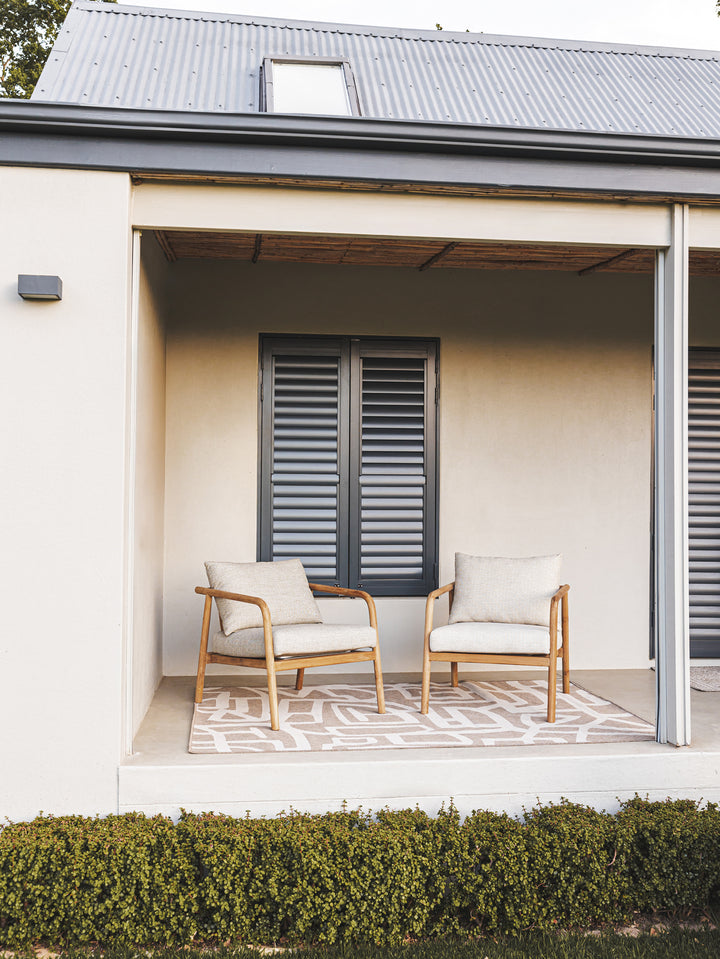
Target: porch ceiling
417 254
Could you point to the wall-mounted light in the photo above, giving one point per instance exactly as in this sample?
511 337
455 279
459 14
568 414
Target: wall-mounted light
31 287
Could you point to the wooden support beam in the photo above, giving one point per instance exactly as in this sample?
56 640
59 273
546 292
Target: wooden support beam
605 263
258 248
437 256
165 245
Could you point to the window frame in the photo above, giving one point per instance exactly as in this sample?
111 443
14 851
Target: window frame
350 351
267 81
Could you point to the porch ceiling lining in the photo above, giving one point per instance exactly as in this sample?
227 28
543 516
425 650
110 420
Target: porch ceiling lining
417 254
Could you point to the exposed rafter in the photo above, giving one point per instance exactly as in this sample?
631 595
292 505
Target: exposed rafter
604 264
437 256
165 246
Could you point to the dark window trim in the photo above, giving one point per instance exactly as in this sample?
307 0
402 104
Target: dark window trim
352 349
267 80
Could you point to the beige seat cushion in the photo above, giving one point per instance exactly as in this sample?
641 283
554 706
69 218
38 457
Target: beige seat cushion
282 585
507 638
500 589
307 638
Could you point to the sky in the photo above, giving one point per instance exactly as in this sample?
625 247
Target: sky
678 23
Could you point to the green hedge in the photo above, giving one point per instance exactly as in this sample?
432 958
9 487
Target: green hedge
349 876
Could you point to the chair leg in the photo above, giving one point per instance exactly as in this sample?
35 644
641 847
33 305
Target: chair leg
299 676
565 644
379 688
552 688
425 696
273 696
566 666
454 674
202 657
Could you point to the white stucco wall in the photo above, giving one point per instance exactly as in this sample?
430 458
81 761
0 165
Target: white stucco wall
62 476
149 485
545 430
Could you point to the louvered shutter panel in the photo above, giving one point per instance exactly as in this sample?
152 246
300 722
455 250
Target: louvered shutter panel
704 501
394 498
305 503
348 472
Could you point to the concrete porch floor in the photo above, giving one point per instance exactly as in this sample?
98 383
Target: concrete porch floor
161 776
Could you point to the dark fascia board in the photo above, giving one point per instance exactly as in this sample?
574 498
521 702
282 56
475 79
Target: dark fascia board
35 133
354 132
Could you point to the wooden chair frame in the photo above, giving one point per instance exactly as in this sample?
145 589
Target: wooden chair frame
274 665
518 659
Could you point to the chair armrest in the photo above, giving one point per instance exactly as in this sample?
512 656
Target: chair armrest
562 591
440 590
238 597
429 608
555 599
254 601
354 594
338 590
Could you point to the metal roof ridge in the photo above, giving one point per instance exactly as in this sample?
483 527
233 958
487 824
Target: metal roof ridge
405 33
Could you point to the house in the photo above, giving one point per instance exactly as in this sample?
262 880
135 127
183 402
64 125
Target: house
530 228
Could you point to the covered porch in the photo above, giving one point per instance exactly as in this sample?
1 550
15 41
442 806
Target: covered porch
547 314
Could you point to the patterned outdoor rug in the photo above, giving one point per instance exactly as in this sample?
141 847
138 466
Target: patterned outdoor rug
705 678
236 719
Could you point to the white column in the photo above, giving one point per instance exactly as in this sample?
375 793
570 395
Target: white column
130 481
672 653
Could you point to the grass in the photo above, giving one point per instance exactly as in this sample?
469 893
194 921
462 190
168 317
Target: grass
677 943
672 945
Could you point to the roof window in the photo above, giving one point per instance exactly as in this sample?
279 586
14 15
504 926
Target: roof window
320 87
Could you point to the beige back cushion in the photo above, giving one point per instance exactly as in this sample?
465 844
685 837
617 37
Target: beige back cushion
499 589
283 586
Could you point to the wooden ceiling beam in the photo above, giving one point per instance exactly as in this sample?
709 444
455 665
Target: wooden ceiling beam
603 264
165 246
437 256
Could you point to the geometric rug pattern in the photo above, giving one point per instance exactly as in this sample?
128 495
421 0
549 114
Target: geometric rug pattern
236 719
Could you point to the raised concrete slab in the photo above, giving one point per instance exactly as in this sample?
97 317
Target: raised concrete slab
162 777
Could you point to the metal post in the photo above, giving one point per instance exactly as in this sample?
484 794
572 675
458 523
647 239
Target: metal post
672 652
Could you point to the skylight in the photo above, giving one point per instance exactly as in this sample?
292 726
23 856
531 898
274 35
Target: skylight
320 88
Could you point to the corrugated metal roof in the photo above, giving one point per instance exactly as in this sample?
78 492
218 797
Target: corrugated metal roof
111 55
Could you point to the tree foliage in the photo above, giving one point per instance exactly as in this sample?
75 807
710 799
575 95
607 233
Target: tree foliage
27 32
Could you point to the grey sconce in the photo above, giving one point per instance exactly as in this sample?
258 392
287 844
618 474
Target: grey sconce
31 287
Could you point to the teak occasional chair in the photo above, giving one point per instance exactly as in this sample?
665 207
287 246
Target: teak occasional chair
269 620
502 610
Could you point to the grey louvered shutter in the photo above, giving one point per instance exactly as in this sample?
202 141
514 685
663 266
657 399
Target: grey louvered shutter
704 501
348 471
392 503
303 495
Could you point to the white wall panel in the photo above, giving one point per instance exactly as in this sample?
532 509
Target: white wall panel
273 210
62 476
149 482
